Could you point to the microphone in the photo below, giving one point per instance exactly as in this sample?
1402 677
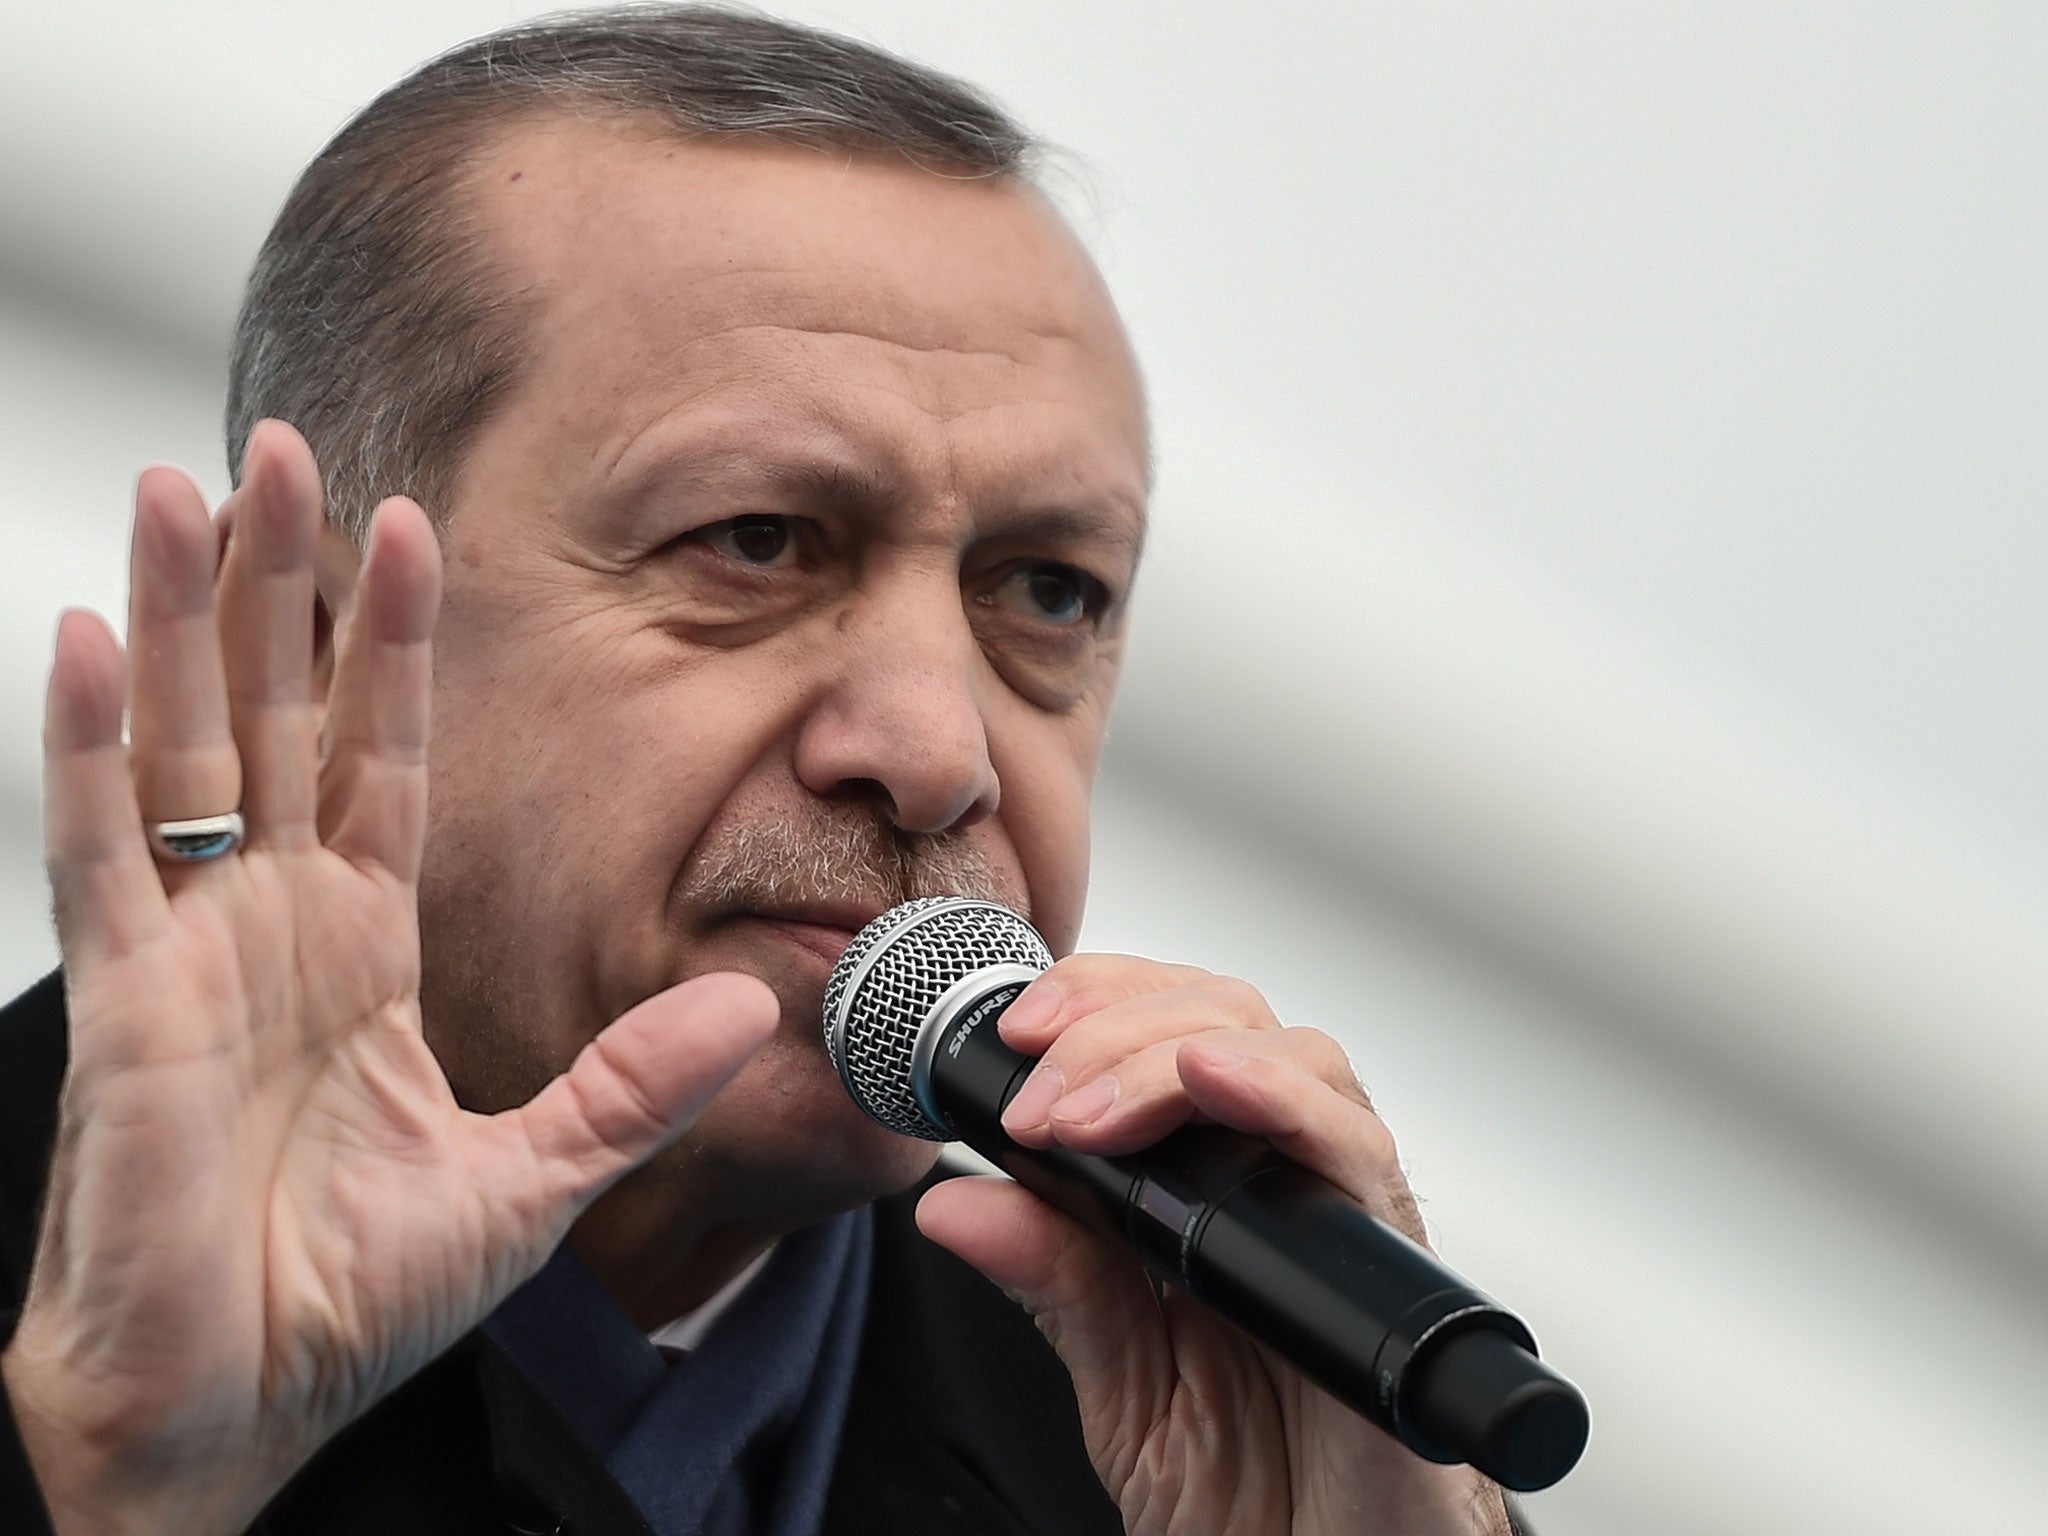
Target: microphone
1373 1317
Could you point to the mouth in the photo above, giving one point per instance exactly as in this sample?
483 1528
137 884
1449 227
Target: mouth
823 929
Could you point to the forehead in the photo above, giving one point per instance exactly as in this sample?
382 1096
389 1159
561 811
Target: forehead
742 281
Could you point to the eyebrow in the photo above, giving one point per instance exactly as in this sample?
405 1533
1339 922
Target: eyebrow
868 492
861 491
854 488
1085 523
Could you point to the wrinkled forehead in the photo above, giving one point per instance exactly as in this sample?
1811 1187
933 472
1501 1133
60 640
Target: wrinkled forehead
650 265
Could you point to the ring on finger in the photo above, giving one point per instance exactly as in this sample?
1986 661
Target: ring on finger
196 841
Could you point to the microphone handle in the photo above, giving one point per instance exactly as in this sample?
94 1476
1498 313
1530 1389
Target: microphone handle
1372 1316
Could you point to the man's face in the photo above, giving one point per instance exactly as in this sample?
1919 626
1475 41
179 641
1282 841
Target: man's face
786 585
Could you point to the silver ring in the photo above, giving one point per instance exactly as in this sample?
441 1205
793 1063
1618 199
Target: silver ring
196 841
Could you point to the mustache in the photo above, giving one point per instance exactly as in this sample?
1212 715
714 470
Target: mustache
826 854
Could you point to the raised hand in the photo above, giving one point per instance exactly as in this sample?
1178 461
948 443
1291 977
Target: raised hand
1194 1430
266 1209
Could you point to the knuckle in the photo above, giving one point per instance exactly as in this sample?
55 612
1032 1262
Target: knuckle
1085 985
1238 1003
1321 1054
1383 1139
1376 1144
1096 980
203 758
1072 974
1068 1054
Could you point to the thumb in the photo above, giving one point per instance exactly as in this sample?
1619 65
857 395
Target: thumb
642 1080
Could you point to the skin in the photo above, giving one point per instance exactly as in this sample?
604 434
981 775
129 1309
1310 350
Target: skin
922 425
789 582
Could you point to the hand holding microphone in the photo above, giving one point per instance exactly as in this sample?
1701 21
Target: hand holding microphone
1284 1254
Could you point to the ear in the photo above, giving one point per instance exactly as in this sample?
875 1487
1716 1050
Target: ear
336 565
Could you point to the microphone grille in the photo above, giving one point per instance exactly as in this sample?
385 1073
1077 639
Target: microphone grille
891 977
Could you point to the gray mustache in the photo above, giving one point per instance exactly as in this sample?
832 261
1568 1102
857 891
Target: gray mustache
858 861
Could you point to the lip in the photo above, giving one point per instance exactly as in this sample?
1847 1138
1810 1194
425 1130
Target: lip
824 931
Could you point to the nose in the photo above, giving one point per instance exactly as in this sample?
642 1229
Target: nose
903 723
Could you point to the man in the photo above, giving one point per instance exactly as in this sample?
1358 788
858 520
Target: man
766 466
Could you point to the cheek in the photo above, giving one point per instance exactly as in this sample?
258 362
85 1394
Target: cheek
1047 769
592 755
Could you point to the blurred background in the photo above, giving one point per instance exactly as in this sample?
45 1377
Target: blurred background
1592 658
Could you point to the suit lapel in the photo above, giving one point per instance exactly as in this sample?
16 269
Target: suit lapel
33 1045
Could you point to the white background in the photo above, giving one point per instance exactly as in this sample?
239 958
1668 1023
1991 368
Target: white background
1593 658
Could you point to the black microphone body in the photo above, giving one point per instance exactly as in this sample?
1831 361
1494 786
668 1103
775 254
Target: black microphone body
1372 1316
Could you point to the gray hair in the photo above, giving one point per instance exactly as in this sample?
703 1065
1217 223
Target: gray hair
376 320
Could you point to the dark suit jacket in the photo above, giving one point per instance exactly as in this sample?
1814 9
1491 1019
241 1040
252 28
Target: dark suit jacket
962 1421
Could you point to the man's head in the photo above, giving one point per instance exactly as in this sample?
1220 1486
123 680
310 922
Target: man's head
790 502
381 321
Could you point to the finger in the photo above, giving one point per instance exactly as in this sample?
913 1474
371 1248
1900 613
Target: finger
108 896
642 1081
1077 1052
183 753
265 607
373 791
1081 985
1140 1099
1307 1120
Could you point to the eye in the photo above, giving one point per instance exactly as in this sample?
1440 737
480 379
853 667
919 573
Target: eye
1060 595
760 539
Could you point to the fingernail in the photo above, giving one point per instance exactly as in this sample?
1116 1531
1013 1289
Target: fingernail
1041 1090
1033 1010
1084 1106
1219 1056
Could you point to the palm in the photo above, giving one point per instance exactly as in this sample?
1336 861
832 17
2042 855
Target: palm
1198 1379
266 1208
